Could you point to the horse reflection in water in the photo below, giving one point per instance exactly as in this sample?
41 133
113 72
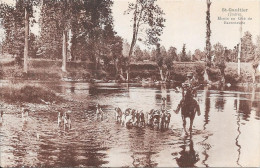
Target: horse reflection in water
188 157
189 107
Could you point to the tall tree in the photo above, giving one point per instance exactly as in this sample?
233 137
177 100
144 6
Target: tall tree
208 34
148 16
16 24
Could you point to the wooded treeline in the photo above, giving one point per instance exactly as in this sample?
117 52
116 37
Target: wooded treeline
83 30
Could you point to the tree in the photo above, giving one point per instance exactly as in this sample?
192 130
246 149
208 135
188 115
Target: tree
256 62
184 57
198 55
172 53
247 48
16 24
86 28
138 54
218 51
116 49
208 34
159 60
148 16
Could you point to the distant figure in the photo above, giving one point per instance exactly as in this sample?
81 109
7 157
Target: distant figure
99 112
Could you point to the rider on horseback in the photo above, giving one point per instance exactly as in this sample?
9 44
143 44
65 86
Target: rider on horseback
192 84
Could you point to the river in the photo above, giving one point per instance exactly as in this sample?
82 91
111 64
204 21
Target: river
225 134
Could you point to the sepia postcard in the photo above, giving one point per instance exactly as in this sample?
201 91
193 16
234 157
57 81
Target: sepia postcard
129 83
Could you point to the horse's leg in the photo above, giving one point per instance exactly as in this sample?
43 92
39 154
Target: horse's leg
191 123
184 123
191 119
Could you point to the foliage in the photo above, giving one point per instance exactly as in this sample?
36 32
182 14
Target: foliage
184 57
172 53
198 55
148 16
247 48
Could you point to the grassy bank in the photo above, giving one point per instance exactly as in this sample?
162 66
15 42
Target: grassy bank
22 93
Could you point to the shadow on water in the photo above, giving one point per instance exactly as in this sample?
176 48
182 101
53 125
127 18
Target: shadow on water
188 156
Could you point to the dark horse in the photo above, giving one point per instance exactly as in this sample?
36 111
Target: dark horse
189 107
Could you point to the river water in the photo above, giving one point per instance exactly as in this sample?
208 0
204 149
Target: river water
225 134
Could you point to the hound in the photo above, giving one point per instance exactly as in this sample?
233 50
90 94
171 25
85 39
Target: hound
67 121
99 112
119 114
1 117
25 114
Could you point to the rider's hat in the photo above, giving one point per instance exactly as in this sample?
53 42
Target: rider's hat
189 74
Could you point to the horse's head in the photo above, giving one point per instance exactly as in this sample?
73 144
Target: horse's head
187 94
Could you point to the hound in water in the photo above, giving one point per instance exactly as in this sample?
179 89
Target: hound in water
60 119
119 114
67 121
99 112
25 114
1 117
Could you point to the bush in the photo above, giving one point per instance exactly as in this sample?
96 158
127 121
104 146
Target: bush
30 94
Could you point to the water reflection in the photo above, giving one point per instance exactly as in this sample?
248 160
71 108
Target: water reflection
188 156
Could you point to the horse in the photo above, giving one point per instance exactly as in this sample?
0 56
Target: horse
189 108
119 114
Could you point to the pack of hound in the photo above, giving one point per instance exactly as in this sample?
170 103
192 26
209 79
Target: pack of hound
154 118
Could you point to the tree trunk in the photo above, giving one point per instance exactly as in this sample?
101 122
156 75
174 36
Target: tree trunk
161 73
70 57
208 34
64 51
132 43
26 42
116 66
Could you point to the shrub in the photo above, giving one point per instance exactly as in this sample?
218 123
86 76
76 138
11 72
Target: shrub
26 93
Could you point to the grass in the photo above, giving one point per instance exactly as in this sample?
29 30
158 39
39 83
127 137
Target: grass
15 93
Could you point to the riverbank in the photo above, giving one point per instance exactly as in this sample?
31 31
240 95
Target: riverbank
50 70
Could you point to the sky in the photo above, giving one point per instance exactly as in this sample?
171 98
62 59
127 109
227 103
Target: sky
186 22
